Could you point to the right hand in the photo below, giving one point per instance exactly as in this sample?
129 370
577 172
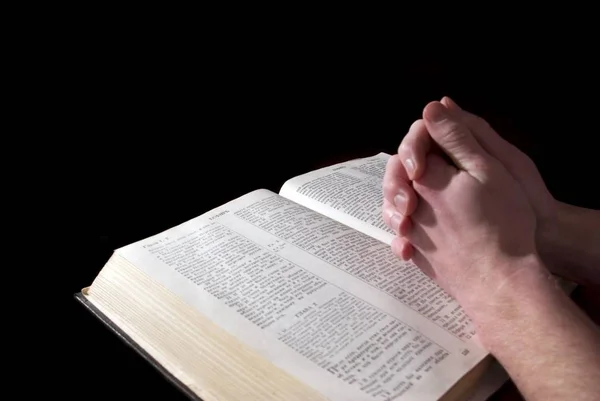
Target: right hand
416 145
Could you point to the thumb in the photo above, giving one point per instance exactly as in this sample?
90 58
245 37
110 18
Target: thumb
455 138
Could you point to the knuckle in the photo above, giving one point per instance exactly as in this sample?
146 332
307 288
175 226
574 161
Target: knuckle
416 125
392 159
482 123
404 148
479 162
392 163
409 139
454 133
389 189
524 160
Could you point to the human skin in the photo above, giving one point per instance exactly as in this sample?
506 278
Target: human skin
567 236
476 229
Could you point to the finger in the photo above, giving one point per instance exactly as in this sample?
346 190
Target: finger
518 164
490 140
395 169
451 105
413 149
420 222
402 248
455 138
427 146
396 187
422 263
401 224
487 137
437 176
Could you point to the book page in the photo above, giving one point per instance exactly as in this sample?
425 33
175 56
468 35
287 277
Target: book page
325 303
349 192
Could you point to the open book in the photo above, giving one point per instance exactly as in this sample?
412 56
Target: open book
293 296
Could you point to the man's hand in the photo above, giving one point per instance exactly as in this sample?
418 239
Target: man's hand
472 228
518 164
417 144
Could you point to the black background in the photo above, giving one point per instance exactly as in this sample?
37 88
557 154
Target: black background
165 130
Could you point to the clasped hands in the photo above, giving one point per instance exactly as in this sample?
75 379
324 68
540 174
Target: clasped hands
467 206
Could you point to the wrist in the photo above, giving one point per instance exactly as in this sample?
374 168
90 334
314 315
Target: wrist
548 236
567 242
534 330
513 300
548 231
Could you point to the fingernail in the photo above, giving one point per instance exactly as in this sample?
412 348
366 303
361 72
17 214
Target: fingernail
436 113
410 166
400 201
395 221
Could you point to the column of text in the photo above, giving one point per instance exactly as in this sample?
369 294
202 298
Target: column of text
360 256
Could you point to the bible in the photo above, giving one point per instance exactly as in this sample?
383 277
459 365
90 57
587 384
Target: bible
293 295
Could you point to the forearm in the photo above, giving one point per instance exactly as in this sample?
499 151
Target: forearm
570 245
546 344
